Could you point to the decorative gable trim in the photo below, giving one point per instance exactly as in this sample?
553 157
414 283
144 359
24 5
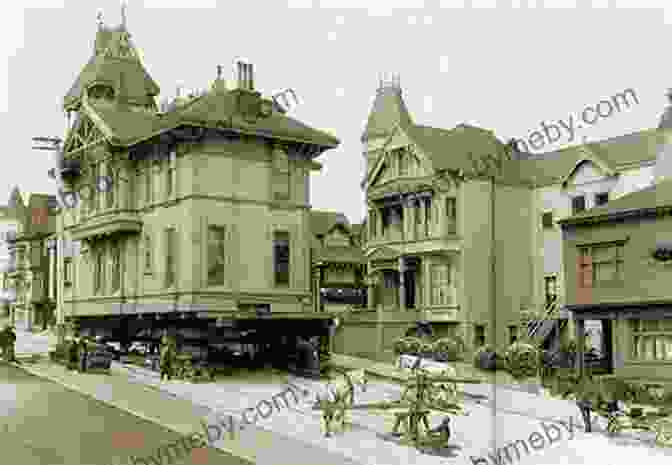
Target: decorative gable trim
588 156
89 132
413 147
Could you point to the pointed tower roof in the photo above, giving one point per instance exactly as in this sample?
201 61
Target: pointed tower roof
666 117
388 110
15 198
115 62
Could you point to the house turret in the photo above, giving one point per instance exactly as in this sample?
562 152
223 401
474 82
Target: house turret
115 72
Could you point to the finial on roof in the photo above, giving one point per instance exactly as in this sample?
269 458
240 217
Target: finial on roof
669 94
99 18
124 4
219 72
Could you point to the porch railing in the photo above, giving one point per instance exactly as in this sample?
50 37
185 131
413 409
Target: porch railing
549 314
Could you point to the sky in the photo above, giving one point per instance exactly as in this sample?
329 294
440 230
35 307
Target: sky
505 66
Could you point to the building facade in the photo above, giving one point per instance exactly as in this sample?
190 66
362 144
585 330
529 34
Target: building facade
579 178
28 269
338 263
622 255
8 229
430 227
208 217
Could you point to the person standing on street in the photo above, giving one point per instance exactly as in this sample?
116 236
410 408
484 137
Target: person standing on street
3 342
83 354
73 353
166 360
10 341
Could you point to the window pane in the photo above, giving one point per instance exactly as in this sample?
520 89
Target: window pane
170 257
667 347
651 325
605 271
647 350
666 324
601 254
216 254
281 257
659 348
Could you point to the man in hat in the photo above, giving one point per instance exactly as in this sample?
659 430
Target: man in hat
73 353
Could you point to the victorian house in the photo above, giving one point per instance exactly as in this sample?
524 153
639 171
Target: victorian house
194 214
429 233
8 227
433 213
338 262
577 179
28 267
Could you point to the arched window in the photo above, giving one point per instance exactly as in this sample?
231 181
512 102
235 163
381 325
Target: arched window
101 92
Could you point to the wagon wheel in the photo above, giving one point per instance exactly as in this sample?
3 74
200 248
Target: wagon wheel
663 430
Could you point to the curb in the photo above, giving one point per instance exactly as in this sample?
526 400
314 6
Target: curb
127 410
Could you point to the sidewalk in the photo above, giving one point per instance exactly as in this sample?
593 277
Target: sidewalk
181 415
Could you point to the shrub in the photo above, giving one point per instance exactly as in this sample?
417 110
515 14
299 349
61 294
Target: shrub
522 360
485 358
448 349
407 345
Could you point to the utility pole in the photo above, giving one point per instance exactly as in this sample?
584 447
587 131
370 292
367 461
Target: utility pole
53 144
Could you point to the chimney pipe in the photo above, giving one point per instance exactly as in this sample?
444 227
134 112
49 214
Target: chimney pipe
240 76
245 76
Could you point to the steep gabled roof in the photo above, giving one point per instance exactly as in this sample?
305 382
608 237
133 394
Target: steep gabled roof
323 221
639 203
450 148
616 153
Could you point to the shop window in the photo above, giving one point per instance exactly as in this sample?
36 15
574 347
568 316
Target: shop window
651 340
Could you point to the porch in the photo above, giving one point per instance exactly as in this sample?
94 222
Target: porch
425 283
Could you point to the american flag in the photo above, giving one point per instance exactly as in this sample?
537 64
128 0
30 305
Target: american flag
40 215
